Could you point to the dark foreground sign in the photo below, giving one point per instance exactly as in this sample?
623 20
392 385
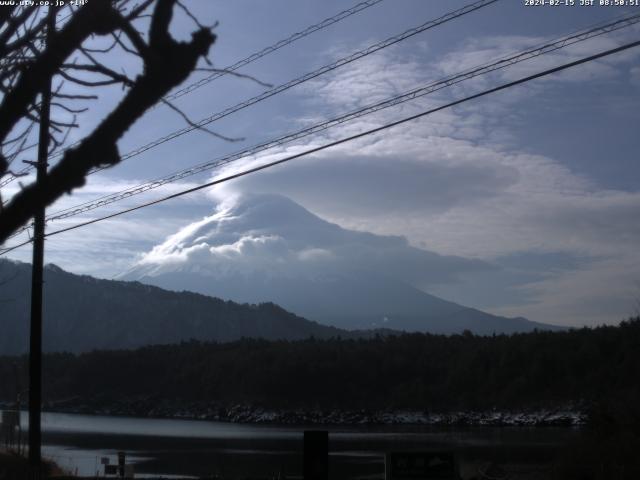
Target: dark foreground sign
316 455
420 466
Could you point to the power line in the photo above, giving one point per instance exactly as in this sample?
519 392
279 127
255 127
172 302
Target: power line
308 76
411 95
344 140
390 102
327 22
272 48
299 80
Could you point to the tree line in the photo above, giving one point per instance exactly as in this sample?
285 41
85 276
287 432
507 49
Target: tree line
417 371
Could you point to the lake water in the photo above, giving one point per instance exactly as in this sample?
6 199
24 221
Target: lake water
168 448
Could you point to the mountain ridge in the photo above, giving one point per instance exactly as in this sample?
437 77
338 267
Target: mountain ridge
127 315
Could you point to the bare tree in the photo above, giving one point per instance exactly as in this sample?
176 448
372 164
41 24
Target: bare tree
70 57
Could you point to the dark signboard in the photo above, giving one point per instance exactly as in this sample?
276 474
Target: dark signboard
421 466
316 455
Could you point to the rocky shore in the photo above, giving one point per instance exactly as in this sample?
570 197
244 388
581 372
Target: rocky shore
242 413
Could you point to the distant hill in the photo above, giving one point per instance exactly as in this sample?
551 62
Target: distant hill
83 313
269 248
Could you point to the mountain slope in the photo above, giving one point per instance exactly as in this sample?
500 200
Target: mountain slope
268 248
84 313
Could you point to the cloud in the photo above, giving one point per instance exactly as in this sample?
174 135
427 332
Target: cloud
106 248
635 76
456 184
485 50
459 185
271 235
598 291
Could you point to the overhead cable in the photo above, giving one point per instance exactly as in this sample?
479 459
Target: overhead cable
341 141
387 103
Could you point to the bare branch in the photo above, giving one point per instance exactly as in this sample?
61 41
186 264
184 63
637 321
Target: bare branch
57 123
69 109
13 23
87 83
29 36
100 50
75 97
235 74
21 173
167 63
192 16
66 136
94 17
135 13
97 68
196 126
24 133
134 37
159 31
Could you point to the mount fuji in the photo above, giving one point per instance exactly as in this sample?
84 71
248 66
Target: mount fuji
267 248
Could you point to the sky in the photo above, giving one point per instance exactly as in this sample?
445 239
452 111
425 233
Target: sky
537 184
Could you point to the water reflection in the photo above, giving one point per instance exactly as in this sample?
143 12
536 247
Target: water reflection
194 448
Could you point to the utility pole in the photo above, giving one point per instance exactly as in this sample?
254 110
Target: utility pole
35 338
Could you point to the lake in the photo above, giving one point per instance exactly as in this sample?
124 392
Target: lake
173 447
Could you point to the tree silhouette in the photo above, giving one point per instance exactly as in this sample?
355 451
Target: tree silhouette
71 58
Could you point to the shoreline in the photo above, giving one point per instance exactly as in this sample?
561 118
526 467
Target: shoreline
566 416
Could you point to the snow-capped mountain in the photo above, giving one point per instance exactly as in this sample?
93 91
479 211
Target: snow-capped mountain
267 248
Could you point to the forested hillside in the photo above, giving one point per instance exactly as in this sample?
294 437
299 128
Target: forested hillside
83 313
417 371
